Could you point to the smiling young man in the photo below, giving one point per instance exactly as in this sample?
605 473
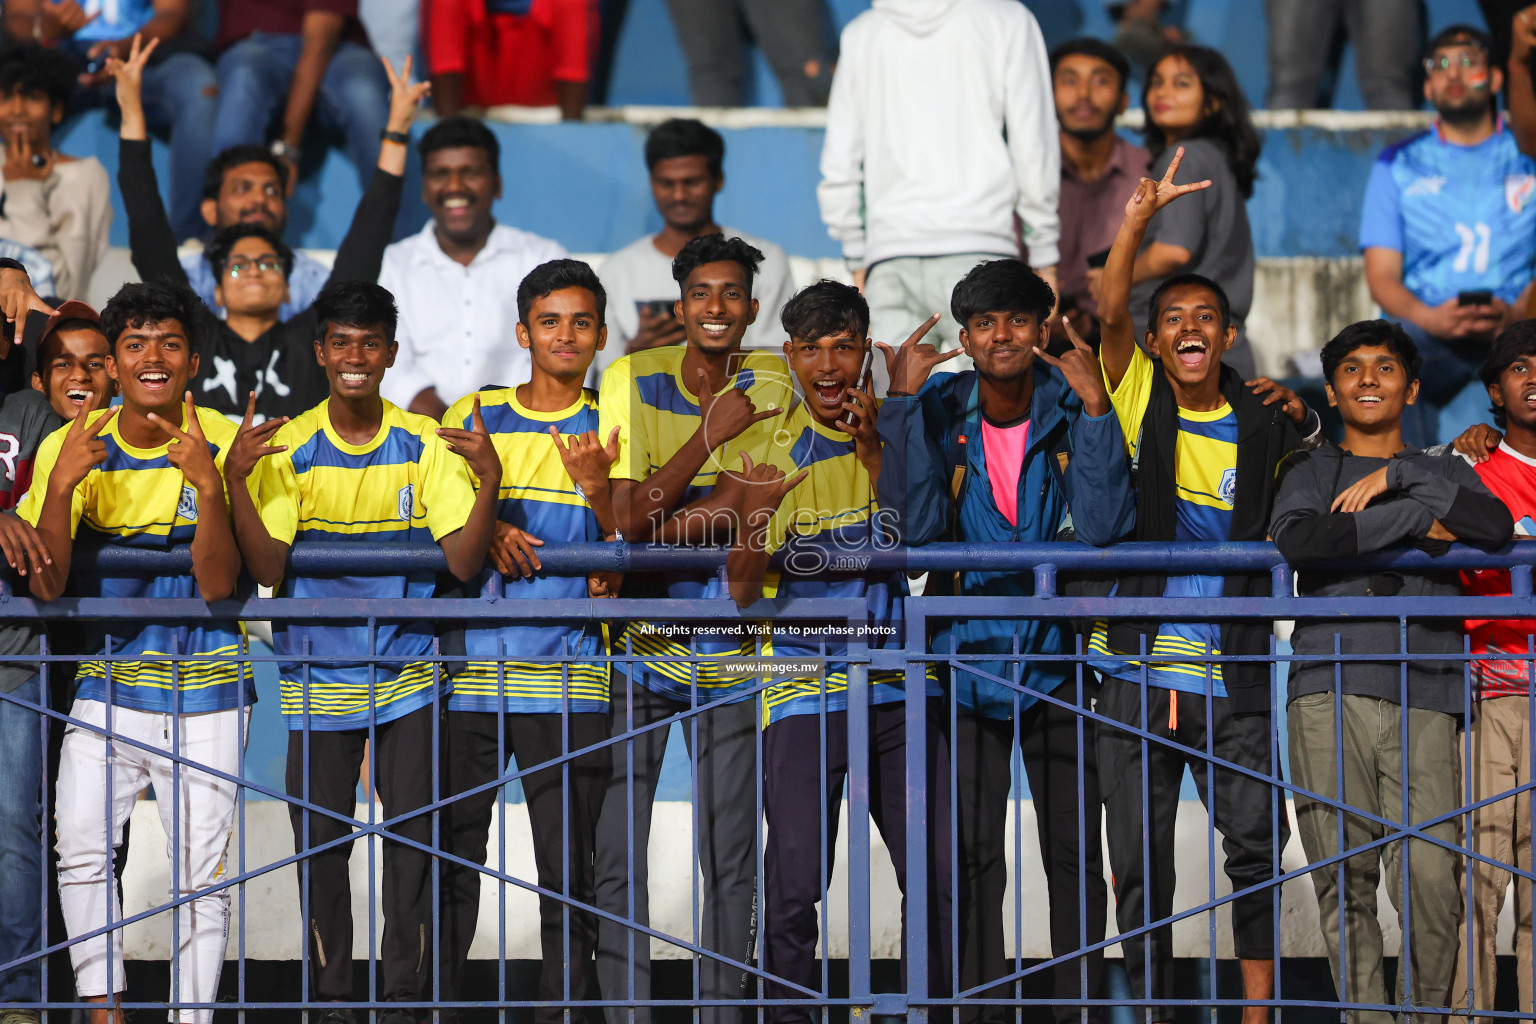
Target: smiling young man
675 409
1207 446
685 161
356 467
807 509
537 690
1005 453
456 279
251 348
146 475
1370 493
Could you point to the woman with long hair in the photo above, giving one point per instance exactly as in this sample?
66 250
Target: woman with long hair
1191 99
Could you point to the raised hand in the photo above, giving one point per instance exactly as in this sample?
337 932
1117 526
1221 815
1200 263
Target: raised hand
587 459
1081 369
512 551
83 450
130 76
727 415
1361 493
404 97
908 367
250 444
1290 403
1477 442
1151 196
189 451
17 296
475 447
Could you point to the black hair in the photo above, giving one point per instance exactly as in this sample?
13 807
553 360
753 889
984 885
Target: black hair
555 276
151 302
716 248
1226 119
1098 49
49 347
1453 35
457 132
236 156
1155 304
356 304
219 250
28 67
683 136
824 310
1368 333
1006 284
1517 342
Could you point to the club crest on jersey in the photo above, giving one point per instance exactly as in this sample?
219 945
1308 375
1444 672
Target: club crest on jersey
1518 190
407 499
186 508
1227 490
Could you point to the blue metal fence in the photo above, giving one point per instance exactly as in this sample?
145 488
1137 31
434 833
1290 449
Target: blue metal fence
925 991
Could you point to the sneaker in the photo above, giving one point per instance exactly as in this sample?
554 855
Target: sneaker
19 1017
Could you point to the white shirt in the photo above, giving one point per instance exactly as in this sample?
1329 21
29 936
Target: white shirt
458 324
640 273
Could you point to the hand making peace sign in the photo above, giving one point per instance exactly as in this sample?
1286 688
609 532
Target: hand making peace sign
82 450
1151 196
250 444
189 451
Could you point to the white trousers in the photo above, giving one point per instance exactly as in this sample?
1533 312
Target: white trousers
99 782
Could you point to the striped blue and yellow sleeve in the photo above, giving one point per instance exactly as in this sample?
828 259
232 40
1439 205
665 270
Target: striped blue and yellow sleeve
618 397
276 489
1131 397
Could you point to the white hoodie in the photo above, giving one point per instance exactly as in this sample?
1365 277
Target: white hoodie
940 127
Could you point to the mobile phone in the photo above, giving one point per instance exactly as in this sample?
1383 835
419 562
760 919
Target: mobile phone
654 307
865 372
1097 260
1476 297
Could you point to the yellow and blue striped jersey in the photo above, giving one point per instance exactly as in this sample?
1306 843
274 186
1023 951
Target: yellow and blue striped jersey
820 541
644 395
404 485
137 498
504 670
1205 476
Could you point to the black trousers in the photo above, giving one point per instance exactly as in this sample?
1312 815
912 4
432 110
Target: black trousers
565 796
1074 871
402 770
797 774
1249 813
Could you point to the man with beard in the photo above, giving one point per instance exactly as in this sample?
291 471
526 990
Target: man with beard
1098 168
1449 232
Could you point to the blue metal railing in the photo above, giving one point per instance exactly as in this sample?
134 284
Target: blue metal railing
913 656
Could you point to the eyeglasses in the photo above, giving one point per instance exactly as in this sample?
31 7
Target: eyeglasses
1466 61
238 267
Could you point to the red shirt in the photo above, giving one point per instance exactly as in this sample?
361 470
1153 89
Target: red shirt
512 58
1512 477
239 18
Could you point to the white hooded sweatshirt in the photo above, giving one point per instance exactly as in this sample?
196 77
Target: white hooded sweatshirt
940 127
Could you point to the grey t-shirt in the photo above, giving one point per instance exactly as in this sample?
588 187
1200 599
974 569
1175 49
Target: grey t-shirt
1213 225
25 419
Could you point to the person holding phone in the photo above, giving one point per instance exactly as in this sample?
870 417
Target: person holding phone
685 159
1449 233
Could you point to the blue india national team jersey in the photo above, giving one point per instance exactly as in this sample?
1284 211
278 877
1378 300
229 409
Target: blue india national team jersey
1205 478
819 536
137 498
538 497
644 395
1464 217
115 19
403 486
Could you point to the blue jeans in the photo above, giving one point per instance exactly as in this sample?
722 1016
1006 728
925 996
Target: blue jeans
179 105
254 75
22 897
1451 395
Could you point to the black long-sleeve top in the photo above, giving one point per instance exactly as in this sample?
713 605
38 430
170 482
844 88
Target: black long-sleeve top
280 365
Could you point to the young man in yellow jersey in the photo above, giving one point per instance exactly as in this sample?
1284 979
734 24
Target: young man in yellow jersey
146 475
356 468
536 690
676 407
810 522
1208 445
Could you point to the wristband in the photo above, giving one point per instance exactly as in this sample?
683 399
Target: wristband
404 138
6 263
900 394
